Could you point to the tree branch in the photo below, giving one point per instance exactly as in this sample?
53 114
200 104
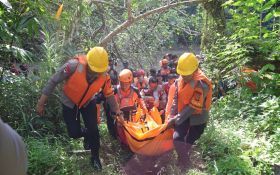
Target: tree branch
151 29
140 45
164 8
129 11
100 12
128 23
188 31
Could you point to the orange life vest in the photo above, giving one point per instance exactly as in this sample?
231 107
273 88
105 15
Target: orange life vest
78 89
126 101
193 96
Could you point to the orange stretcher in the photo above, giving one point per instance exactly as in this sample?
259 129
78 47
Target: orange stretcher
146 136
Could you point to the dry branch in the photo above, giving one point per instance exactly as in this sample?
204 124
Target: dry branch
100 13
131 20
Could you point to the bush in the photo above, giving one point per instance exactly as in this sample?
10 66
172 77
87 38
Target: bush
243 134
19 97
234 165
49 158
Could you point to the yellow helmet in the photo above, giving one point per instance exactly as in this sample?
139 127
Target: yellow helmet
97 59
126 76
187 64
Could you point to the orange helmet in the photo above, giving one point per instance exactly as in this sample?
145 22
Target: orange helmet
126 76
164 61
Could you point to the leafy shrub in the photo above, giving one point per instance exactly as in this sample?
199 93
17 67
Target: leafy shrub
247 126
234 165
19 97
49 158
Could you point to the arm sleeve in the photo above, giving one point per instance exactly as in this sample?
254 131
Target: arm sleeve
114 106
61 74
171 94
108 90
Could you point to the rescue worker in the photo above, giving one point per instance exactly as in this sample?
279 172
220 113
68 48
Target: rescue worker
128 98
190 110
141 82
155 96
84 76
164 70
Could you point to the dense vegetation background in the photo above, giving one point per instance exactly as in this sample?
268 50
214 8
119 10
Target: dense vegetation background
243 134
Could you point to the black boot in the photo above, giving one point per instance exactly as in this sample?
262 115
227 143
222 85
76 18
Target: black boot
183 151
95 161
96 164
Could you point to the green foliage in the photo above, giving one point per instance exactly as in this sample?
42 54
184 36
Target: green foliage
235 165
19 27
18 101
19 95
214 22
141 43
243 136
51 158
251 36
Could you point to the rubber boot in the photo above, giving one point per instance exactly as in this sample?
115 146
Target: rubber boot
183 151
95 161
